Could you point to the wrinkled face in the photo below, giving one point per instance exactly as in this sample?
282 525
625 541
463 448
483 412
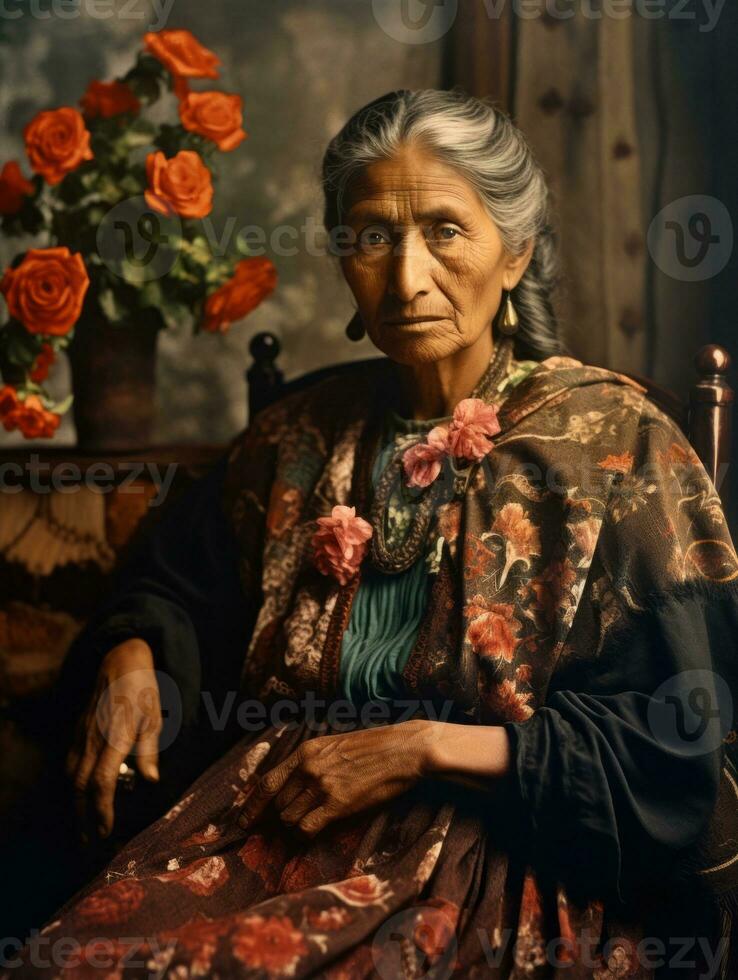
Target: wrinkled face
424 246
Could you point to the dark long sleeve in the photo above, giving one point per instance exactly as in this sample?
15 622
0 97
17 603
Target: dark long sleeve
181 593
618 772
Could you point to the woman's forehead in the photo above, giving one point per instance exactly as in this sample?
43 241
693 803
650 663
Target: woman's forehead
418 194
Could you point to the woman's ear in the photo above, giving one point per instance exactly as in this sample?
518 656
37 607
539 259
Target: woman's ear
516 265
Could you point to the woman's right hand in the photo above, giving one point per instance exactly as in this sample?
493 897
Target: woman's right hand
123 715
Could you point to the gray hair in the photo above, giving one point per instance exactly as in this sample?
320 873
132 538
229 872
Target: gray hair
481 142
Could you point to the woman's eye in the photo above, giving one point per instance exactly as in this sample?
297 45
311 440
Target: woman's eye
445 233
374 236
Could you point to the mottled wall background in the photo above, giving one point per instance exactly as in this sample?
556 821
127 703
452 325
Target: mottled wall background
302 69
629 116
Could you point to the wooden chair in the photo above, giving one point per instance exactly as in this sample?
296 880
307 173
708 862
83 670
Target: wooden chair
705 418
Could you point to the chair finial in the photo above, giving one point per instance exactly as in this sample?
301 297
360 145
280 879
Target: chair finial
264 346
712 359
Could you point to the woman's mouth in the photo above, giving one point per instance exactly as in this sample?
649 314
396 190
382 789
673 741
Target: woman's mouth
409 321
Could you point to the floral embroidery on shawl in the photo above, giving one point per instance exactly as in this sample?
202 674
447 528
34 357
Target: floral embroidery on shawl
591 504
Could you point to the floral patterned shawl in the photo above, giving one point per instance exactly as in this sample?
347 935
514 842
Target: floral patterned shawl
591 509
590 493
587 555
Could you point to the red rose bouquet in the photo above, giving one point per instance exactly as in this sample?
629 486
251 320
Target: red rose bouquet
106 169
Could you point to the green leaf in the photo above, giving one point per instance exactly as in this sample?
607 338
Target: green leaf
180 271
63 406
145 78
141 126
72 189
150 294
94 216
175 313
145 88
198 250
20 346
133 140
171 139
108 190
111 307
30 220
149 65
150 317
10 225
137 136
89 180
130 185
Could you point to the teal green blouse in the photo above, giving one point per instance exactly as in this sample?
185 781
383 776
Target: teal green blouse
388 609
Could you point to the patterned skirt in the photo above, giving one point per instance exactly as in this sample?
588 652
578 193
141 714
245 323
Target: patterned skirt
422 887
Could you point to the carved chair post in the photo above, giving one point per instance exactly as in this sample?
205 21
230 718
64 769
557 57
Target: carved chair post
264 379
710 415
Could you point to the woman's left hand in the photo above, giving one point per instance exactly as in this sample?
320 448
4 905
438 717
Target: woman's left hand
333 776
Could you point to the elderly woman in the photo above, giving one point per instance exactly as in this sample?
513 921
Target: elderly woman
479 599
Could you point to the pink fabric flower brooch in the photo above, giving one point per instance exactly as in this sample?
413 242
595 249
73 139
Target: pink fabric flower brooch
340 543
467 437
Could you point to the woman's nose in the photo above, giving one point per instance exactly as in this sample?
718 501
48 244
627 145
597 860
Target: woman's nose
410 269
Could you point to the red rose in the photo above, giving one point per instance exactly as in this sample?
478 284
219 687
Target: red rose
181 87
13 188
31 419
44 359
181 185
46 291
253 280
57 141
108 99
215 115
8 400
182 54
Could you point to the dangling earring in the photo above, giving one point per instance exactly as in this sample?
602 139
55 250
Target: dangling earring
355 327
509 324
